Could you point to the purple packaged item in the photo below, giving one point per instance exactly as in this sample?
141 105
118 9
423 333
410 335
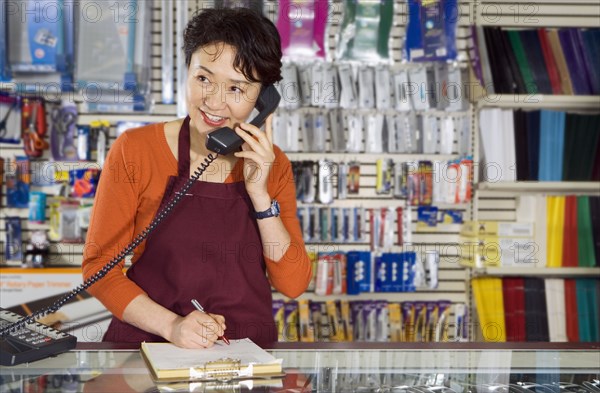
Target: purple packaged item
301 25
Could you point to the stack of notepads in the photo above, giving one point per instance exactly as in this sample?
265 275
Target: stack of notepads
534 309
545 145
536 61
241 360
498 243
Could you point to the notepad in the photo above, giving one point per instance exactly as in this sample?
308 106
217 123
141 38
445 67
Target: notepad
242 359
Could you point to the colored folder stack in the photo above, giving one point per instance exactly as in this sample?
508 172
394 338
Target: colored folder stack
534 309
546 145
537 61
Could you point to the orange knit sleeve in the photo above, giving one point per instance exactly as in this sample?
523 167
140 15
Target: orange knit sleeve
112 225
292 273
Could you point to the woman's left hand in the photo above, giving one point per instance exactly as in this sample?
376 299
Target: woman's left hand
258 156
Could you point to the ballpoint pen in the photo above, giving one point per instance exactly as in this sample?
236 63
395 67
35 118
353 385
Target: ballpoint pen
201 309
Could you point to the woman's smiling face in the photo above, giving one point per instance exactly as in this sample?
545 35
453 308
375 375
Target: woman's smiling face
218 95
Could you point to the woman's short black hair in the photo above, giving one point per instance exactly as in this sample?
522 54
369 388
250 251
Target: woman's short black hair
255 38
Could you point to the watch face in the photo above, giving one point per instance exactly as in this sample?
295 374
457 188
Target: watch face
275 208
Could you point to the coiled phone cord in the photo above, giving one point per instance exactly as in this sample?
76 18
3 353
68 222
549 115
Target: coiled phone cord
118 258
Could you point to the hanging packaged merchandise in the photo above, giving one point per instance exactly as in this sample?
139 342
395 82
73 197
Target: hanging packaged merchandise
346 225
358 222
37 207
383 93
336 125
68 223
309 183
348 89
383 179
431 134
413 183
289 87
113 55
324 220
83 217
305 325
280 137
365 30
353 177
320 120
4 68
33 125
54 219
408 133
325 181
461 315
83 142
452 97
441 328
98 142
403 91
358 317
277 309
401 226
432 261
13 241
374 137
18 181
305 75
316 85
83 182
419 88
334 222
342 180
330 90
425 182
465 186
366 87
167 55
293 129
440 182
395 319
390 138
359 272
10 119
400 180
40 33
431 30
464 135
301 25
446 129
354 123
37 250
63 132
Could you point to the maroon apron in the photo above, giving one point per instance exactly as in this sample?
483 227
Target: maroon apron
208 248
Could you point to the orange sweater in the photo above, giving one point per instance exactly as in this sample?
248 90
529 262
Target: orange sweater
131 187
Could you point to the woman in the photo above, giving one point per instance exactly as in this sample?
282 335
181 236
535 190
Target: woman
214 246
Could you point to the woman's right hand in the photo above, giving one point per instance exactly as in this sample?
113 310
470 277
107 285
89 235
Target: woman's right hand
197 330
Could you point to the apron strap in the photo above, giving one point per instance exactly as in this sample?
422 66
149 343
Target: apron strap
183 149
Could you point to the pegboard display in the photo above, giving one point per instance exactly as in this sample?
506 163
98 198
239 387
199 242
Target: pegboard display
442 238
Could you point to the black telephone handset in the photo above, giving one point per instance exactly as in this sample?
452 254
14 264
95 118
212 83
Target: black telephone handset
22 339
224 140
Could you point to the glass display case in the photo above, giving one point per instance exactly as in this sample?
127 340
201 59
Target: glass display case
352 368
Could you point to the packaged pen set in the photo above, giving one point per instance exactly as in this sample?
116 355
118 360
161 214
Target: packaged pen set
369 320
418 182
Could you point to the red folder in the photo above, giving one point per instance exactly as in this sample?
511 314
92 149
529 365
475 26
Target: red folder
553 74
570 234
514 308
571 310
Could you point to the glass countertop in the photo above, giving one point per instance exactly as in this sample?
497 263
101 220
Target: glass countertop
416 370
